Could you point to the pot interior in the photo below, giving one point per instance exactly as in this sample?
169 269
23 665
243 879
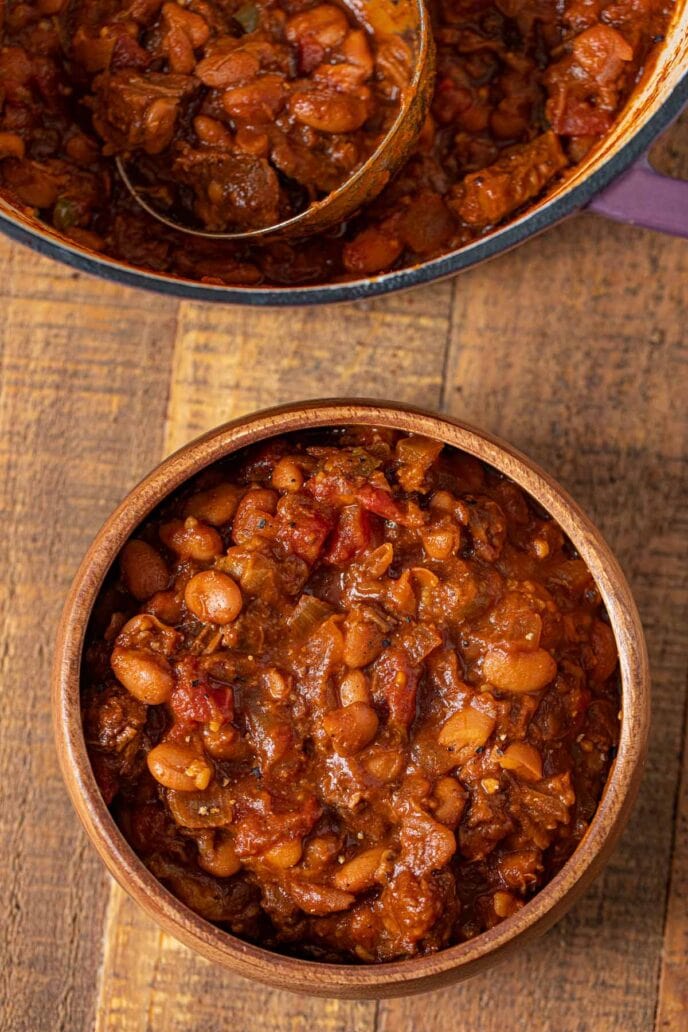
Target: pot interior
652 106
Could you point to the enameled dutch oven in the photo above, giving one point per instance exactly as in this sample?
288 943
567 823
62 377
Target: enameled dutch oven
616 181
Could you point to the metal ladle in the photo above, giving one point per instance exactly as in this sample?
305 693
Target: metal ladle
407 19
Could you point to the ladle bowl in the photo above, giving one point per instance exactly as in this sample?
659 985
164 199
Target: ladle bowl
407 19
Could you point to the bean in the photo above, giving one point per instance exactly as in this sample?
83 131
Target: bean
81 149
252 141
384 764
285 854
287 476
278 685
217 855
324 24
144 570
505 904
218 504
220 70
353 688
329 111
179 767
365 870
179 50
362 643
444 501
193 26
373 250
442 539
158 123
519 671
356 50
191 539
450 800
352 727
211 133
467 727
604 650
213 597
256 102
145 674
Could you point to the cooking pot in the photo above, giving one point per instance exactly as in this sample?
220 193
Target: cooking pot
616 180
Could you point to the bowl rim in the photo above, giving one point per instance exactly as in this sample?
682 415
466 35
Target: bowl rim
314 977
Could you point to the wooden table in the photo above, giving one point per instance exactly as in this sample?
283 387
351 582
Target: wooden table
588 375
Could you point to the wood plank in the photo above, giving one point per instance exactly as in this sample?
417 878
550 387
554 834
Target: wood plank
232 361
82 364
228 361
672 1010
574 349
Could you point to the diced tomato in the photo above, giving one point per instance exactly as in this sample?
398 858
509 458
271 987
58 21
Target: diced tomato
381 502
196 699
395 682
353 535
302 529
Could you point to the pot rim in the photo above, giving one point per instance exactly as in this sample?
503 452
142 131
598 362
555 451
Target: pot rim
514 233
396 977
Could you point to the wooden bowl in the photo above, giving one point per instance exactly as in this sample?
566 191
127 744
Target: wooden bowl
399 977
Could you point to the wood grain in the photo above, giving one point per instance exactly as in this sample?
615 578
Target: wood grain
74 391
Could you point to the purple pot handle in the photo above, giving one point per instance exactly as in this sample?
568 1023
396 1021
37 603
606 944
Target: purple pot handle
644 197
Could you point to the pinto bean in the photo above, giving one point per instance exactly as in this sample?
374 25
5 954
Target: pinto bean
362 642
368 868
213 597
519 671
191 539
329 111
223 69
352 727
467 727
179 767
144 571
324 24
285 854
287 476
217 504
145 674
257 102
354 687
372 250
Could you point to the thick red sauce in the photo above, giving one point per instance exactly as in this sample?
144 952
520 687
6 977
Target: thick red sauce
524 89
351 695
